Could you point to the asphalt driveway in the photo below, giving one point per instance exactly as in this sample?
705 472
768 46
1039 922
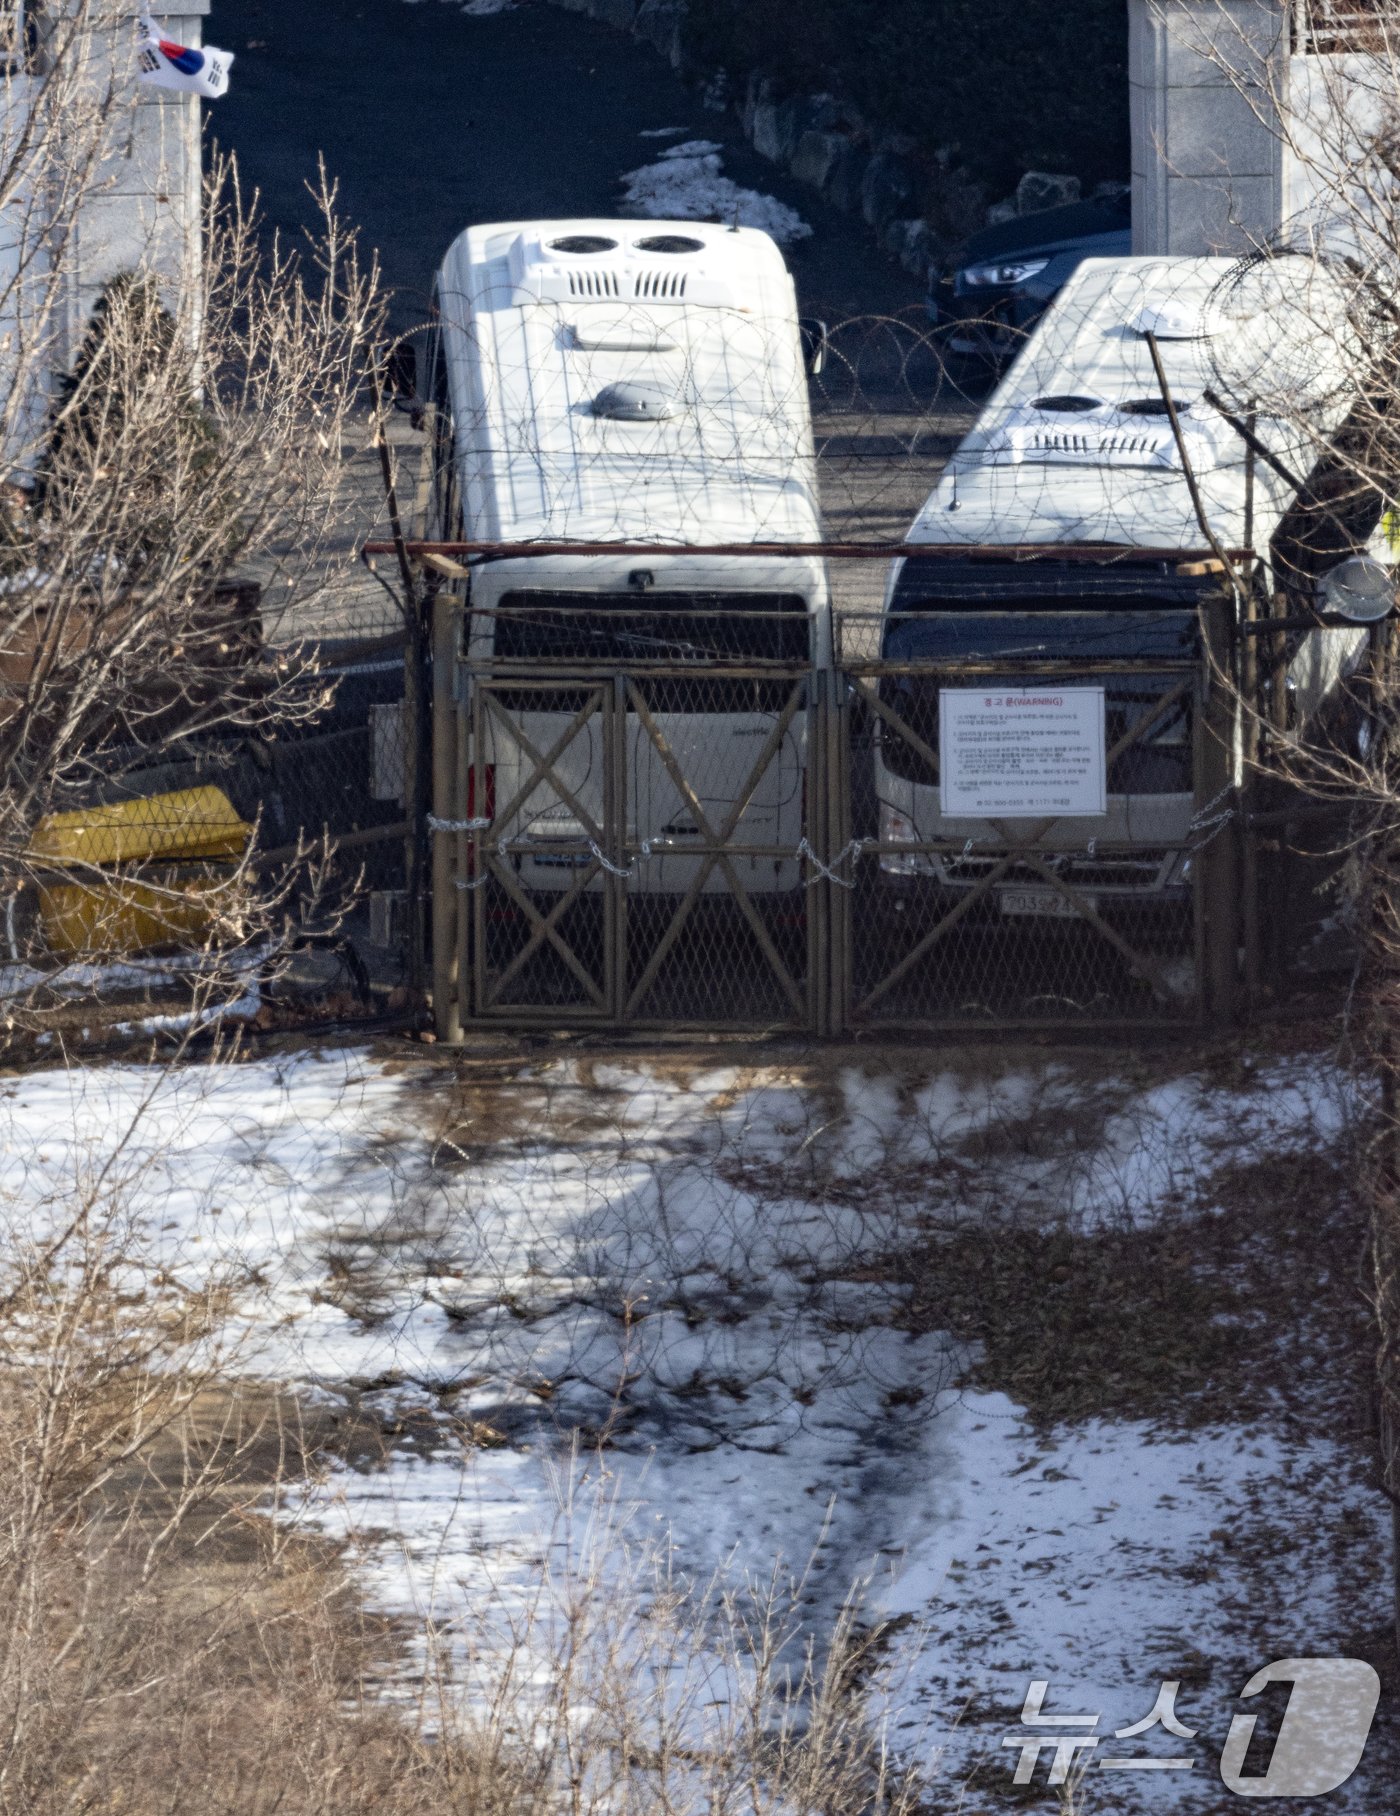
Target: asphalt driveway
431 119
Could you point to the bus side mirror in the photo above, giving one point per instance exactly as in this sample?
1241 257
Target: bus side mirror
814 344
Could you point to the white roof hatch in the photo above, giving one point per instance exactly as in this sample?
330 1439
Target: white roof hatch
652 268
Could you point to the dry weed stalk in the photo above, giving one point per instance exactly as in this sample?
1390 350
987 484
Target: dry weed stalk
166 1644
615 1686
149 1614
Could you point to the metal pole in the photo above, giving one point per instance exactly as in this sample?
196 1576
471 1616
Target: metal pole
472 953
1249 842
418 766
818 831
839 759
447 805
616 981
1216 794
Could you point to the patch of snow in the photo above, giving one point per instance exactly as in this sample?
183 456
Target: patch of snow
693 148
211 1015
692 1264
85 977
1110 1557
687 183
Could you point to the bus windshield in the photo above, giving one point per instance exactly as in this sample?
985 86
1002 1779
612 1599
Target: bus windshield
664 628
957 599
1041 636
1158 763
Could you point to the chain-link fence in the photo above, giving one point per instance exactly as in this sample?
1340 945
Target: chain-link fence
657 813
958 916
677 880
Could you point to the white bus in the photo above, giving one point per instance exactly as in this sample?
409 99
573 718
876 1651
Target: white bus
634 382
1075 449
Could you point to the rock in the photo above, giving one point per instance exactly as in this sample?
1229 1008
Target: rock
1000 212
776 126
757 90
1039 189
890 184
659 22
844 185
916 247
714 94
956 206
794 116
816 157
763 131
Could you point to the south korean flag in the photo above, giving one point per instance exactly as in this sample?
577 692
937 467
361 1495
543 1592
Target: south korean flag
164 64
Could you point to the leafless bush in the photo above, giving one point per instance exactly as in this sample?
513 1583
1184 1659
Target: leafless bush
1321 80
171 484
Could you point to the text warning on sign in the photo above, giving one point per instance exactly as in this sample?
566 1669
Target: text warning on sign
1021 756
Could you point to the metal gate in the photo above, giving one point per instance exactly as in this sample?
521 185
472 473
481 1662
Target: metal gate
939 921
610 873
613 852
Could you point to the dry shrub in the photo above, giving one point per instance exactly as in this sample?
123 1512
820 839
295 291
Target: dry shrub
171 490
169 1645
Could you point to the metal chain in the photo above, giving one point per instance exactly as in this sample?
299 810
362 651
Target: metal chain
624 870
1206 820
852 849
645 851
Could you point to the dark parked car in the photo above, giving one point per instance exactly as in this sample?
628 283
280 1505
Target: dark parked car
1000 281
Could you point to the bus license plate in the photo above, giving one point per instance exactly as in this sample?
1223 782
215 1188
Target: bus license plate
1047 902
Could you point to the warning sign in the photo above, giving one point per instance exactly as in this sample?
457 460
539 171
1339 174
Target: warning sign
1022 756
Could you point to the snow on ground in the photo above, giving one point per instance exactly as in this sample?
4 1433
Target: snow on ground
1109 1558
687 183
694 1265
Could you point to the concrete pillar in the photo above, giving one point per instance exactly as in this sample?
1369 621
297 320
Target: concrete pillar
139 210
1210 170
143 212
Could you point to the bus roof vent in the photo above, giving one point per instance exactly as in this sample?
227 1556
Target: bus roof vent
622 336
1095 444
1065 404
590 282
551 271
583 244
671 243
631 401
660 286
1154 406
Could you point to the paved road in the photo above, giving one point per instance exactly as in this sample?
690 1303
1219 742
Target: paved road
431 119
